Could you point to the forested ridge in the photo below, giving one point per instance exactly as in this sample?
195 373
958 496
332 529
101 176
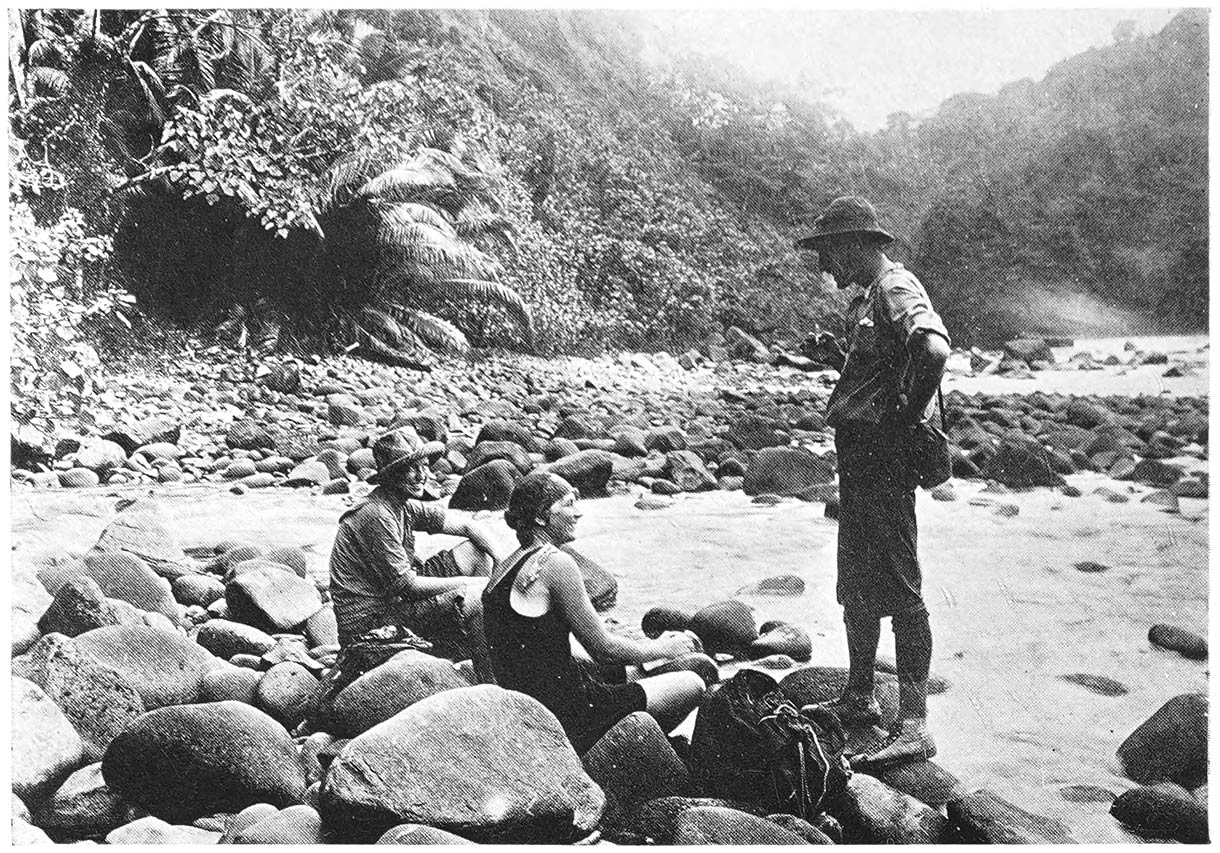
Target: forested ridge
393 182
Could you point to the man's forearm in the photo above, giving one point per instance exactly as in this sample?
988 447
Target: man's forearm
415 587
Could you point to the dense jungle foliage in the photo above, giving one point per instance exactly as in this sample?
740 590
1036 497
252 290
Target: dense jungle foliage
393 182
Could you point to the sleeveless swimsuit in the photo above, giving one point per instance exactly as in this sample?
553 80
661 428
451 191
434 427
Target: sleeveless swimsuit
533 655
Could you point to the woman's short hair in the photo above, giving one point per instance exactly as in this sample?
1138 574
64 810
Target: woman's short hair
531 498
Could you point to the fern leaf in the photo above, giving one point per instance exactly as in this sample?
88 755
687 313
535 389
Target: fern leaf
495 293
435 332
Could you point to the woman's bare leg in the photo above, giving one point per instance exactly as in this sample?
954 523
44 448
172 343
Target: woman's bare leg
671 697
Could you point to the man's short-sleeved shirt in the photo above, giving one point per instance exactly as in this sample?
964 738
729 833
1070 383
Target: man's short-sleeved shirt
374 552
880 323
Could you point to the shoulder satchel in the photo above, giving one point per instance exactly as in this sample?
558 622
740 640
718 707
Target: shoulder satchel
925 447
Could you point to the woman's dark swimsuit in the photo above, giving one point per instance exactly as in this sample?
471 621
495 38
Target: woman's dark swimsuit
533 655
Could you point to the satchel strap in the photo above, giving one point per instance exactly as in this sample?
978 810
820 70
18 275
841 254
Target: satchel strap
940 402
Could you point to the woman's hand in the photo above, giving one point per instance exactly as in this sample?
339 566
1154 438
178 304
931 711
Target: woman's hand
674 643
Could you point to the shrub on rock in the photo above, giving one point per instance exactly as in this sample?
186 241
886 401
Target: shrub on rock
184 762
514 779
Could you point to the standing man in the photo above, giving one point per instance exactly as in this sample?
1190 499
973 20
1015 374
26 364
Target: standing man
375 577
897 347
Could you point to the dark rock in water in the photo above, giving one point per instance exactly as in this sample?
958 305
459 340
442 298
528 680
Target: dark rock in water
1099 684
486 451
80 606
803 828
696 662
872 812
415 833
1163 811
272 598
658 620
188 761
634 763
382 692
486 487
97 700
778 585
1156 473
45 747
599 583
1171 745
817 684
485 763
165 668
1178 640
589 470
658 818
782 639
1029 350
752 432
688 471
1090 566
506 431
713 825
786 471
727 626
225 638
983 817
1022 463
926 781
1086 794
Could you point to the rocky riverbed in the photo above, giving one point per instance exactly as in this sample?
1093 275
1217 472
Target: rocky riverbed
1075 525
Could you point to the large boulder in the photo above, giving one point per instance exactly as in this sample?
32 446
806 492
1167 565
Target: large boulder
1021 462
486 487
96 699
485 763
984 817
164 667
688 471
233 683
145 530
271 598
1163 810
751 432
634 763
126 577
726 626
506 431
926 781
287 691
382 692
83 805
716 825
872 812
486 451
225 638
786 471
188 761
1171 745
599 583
45 746
247 434
588 470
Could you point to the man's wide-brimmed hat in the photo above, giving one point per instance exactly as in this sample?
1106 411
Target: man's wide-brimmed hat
846 215
400 447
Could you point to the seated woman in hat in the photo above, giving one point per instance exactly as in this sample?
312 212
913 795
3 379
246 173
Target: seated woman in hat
536 601
375 577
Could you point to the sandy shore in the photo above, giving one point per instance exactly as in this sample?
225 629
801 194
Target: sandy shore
1010 613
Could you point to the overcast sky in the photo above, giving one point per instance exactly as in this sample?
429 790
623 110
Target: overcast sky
868 64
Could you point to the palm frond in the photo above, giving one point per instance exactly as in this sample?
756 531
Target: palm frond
426 214
477 222
495 293
409 183
427 252
153 88
350 172
433 331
